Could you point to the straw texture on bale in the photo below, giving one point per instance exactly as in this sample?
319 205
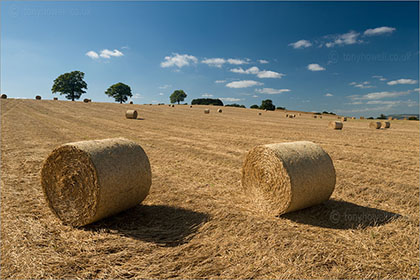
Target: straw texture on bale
335 125
386 125
288 176
206 111
376 125
4 96
86 181
38 97
219 110
131 114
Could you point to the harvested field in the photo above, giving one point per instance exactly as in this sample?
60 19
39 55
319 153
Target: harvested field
197 222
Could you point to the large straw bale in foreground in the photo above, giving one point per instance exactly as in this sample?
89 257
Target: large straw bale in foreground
86 181
335 125
131 114
376 125
289 176
386 124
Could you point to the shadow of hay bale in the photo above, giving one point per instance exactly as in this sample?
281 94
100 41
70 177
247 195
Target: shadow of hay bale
337 214
164 225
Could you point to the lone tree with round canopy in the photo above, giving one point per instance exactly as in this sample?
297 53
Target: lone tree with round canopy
119 92
178 96
70 84
267 105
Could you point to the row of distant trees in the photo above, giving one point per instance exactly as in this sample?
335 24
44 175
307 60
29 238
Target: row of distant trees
72 86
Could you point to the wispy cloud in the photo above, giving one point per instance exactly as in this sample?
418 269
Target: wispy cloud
380 78
206 95
349 38
243 84
364 84
178 60
315 67
235 61
329 94
379 95
230 99
416 89
263 61
220 81
260 73
402 82
272 90
165 86
379 31
161 93
301 44
137 96
214 62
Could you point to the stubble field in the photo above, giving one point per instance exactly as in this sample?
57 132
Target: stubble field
197 222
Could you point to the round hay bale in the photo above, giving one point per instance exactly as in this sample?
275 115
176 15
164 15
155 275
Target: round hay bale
344 119
386 124
362 118
171 105
131 114
335 125
55 98
291 116
190 106
219 110
320 117
353 118
315 117
4 96
288 176
390 118
287 115
259 114
206 111
131 102
38 97
376 125
86 181
86 100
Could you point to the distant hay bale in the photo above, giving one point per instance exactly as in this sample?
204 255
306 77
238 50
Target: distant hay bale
55 98
219 110
291 116
287 115
190 106
315 117
286 177
320 117
385 124
404 119
206 111
353 118
265 110
344 119
4 96
171 105
362 118
376 125
131 114
86 100
259 113
38 97
390 118
335 125
86 181
131 102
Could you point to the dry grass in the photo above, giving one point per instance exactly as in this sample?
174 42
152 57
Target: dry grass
195 223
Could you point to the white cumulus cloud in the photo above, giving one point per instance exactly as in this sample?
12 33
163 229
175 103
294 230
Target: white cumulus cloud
329 94
379 95
235 61
269 74
379 31
271 90
349 38
402 82
107 53
315 67
178 60
256 71
92 54
263 61
243 84
214 62
364 84
301 44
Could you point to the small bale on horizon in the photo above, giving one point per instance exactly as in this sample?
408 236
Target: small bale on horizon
38 97
335 125
385 124
285 177
4 96
131 114
86 100
55 98
131 102
206 111
219 110
86 181
375 125
344 119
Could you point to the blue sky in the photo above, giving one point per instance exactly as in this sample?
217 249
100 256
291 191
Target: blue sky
353 58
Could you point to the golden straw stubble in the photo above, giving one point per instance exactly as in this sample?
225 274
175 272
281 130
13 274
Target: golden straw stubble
86 181
285 177
131 114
